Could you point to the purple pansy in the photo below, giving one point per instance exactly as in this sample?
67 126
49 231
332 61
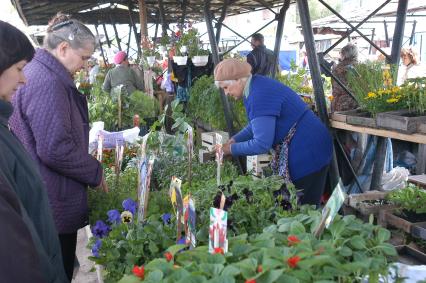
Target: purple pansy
96 247
114 216
166 218
100 229
129 205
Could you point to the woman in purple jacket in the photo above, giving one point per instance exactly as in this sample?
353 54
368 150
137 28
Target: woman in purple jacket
51 120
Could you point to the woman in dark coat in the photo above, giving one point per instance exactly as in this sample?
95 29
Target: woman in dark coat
51 120
33 239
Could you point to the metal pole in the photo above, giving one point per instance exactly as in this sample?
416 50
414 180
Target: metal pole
398 34
162 17
372 38
116 32
279 34
100 45
143 19
386 33
128 41
106 36
220 21
245 39
413 32
357 26
314 67
379 163
135 30
155 33
216 60
183 8
349 24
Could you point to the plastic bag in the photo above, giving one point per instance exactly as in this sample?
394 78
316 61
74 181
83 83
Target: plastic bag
395 179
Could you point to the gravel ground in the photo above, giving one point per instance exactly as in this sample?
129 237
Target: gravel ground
84 275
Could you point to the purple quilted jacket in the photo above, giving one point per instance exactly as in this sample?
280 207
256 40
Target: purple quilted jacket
51 120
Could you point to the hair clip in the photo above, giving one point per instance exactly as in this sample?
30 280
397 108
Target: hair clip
61 25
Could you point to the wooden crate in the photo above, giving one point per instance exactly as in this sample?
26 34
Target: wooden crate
387 217
357 203
256 163
400 121
410 256
205 155
208 139
421 128
360 118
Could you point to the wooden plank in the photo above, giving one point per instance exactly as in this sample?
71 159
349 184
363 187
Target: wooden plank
419 180
416 138
421 160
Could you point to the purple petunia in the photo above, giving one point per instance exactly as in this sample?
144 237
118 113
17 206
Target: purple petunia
100 229
181 241
114 216
166 218
129 205
96 247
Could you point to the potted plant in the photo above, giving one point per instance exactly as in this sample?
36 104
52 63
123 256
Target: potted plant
149 52
201 58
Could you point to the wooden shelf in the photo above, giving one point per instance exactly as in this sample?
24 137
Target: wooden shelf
419 180
416 138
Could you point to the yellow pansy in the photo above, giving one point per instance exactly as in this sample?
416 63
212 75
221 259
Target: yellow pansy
392 100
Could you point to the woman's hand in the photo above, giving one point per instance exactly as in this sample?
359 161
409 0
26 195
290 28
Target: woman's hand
226 147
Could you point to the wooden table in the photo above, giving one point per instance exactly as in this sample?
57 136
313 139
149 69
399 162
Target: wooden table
416 138
377 174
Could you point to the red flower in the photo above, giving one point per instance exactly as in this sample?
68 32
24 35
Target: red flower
292 262
293 240
259 269
168 256
218 251
250 281
139 271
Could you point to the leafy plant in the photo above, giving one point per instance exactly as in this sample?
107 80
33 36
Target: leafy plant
297 79
142 104
101 107
411 198
349 251
205 105
373 86
415 95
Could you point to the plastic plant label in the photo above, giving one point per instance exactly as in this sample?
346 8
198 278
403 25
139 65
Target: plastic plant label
333 205
189 217
145 172
100 148
175 194
218 230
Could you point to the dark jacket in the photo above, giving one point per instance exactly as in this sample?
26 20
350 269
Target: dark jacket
261 60
51 120
22 175
16 240
123 75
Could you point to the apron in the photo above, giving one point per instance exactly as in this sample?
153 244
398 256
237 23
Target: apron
279 162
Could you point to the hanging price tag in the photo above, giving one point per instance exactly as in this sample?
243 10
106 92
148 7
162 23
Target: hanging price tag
175 194
189 221
219 157
100 148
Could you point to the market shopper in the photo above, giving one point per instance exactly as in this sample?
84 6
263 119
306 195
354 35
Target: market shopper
410 68
28 234
342 101
261 59
279 119
51 120
122 74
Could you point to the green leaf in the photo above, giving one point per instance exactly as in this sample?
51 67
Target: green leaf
345 251
284 227
357 242
231 270
154 276
222 279
211 269
316 261
387 249
297 228
178 274
383 235
241 249
270 276
193 279
216 258
288 279
176 248
129 279
153 247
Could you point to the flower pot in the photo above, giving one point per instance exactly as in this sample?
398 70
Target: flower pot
150 60
401 121
359 117
200 61
180 60
162 49
183 49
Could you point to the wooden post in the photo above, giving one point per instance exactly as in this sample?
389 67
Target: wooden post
143 20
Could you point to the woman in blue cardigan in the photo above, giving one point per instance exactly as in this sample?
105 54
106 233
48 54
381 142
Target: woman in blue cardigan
279 120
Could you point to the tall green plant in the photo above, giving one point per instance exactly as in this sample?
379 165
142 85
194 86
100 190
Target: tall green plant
415 95
205 105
